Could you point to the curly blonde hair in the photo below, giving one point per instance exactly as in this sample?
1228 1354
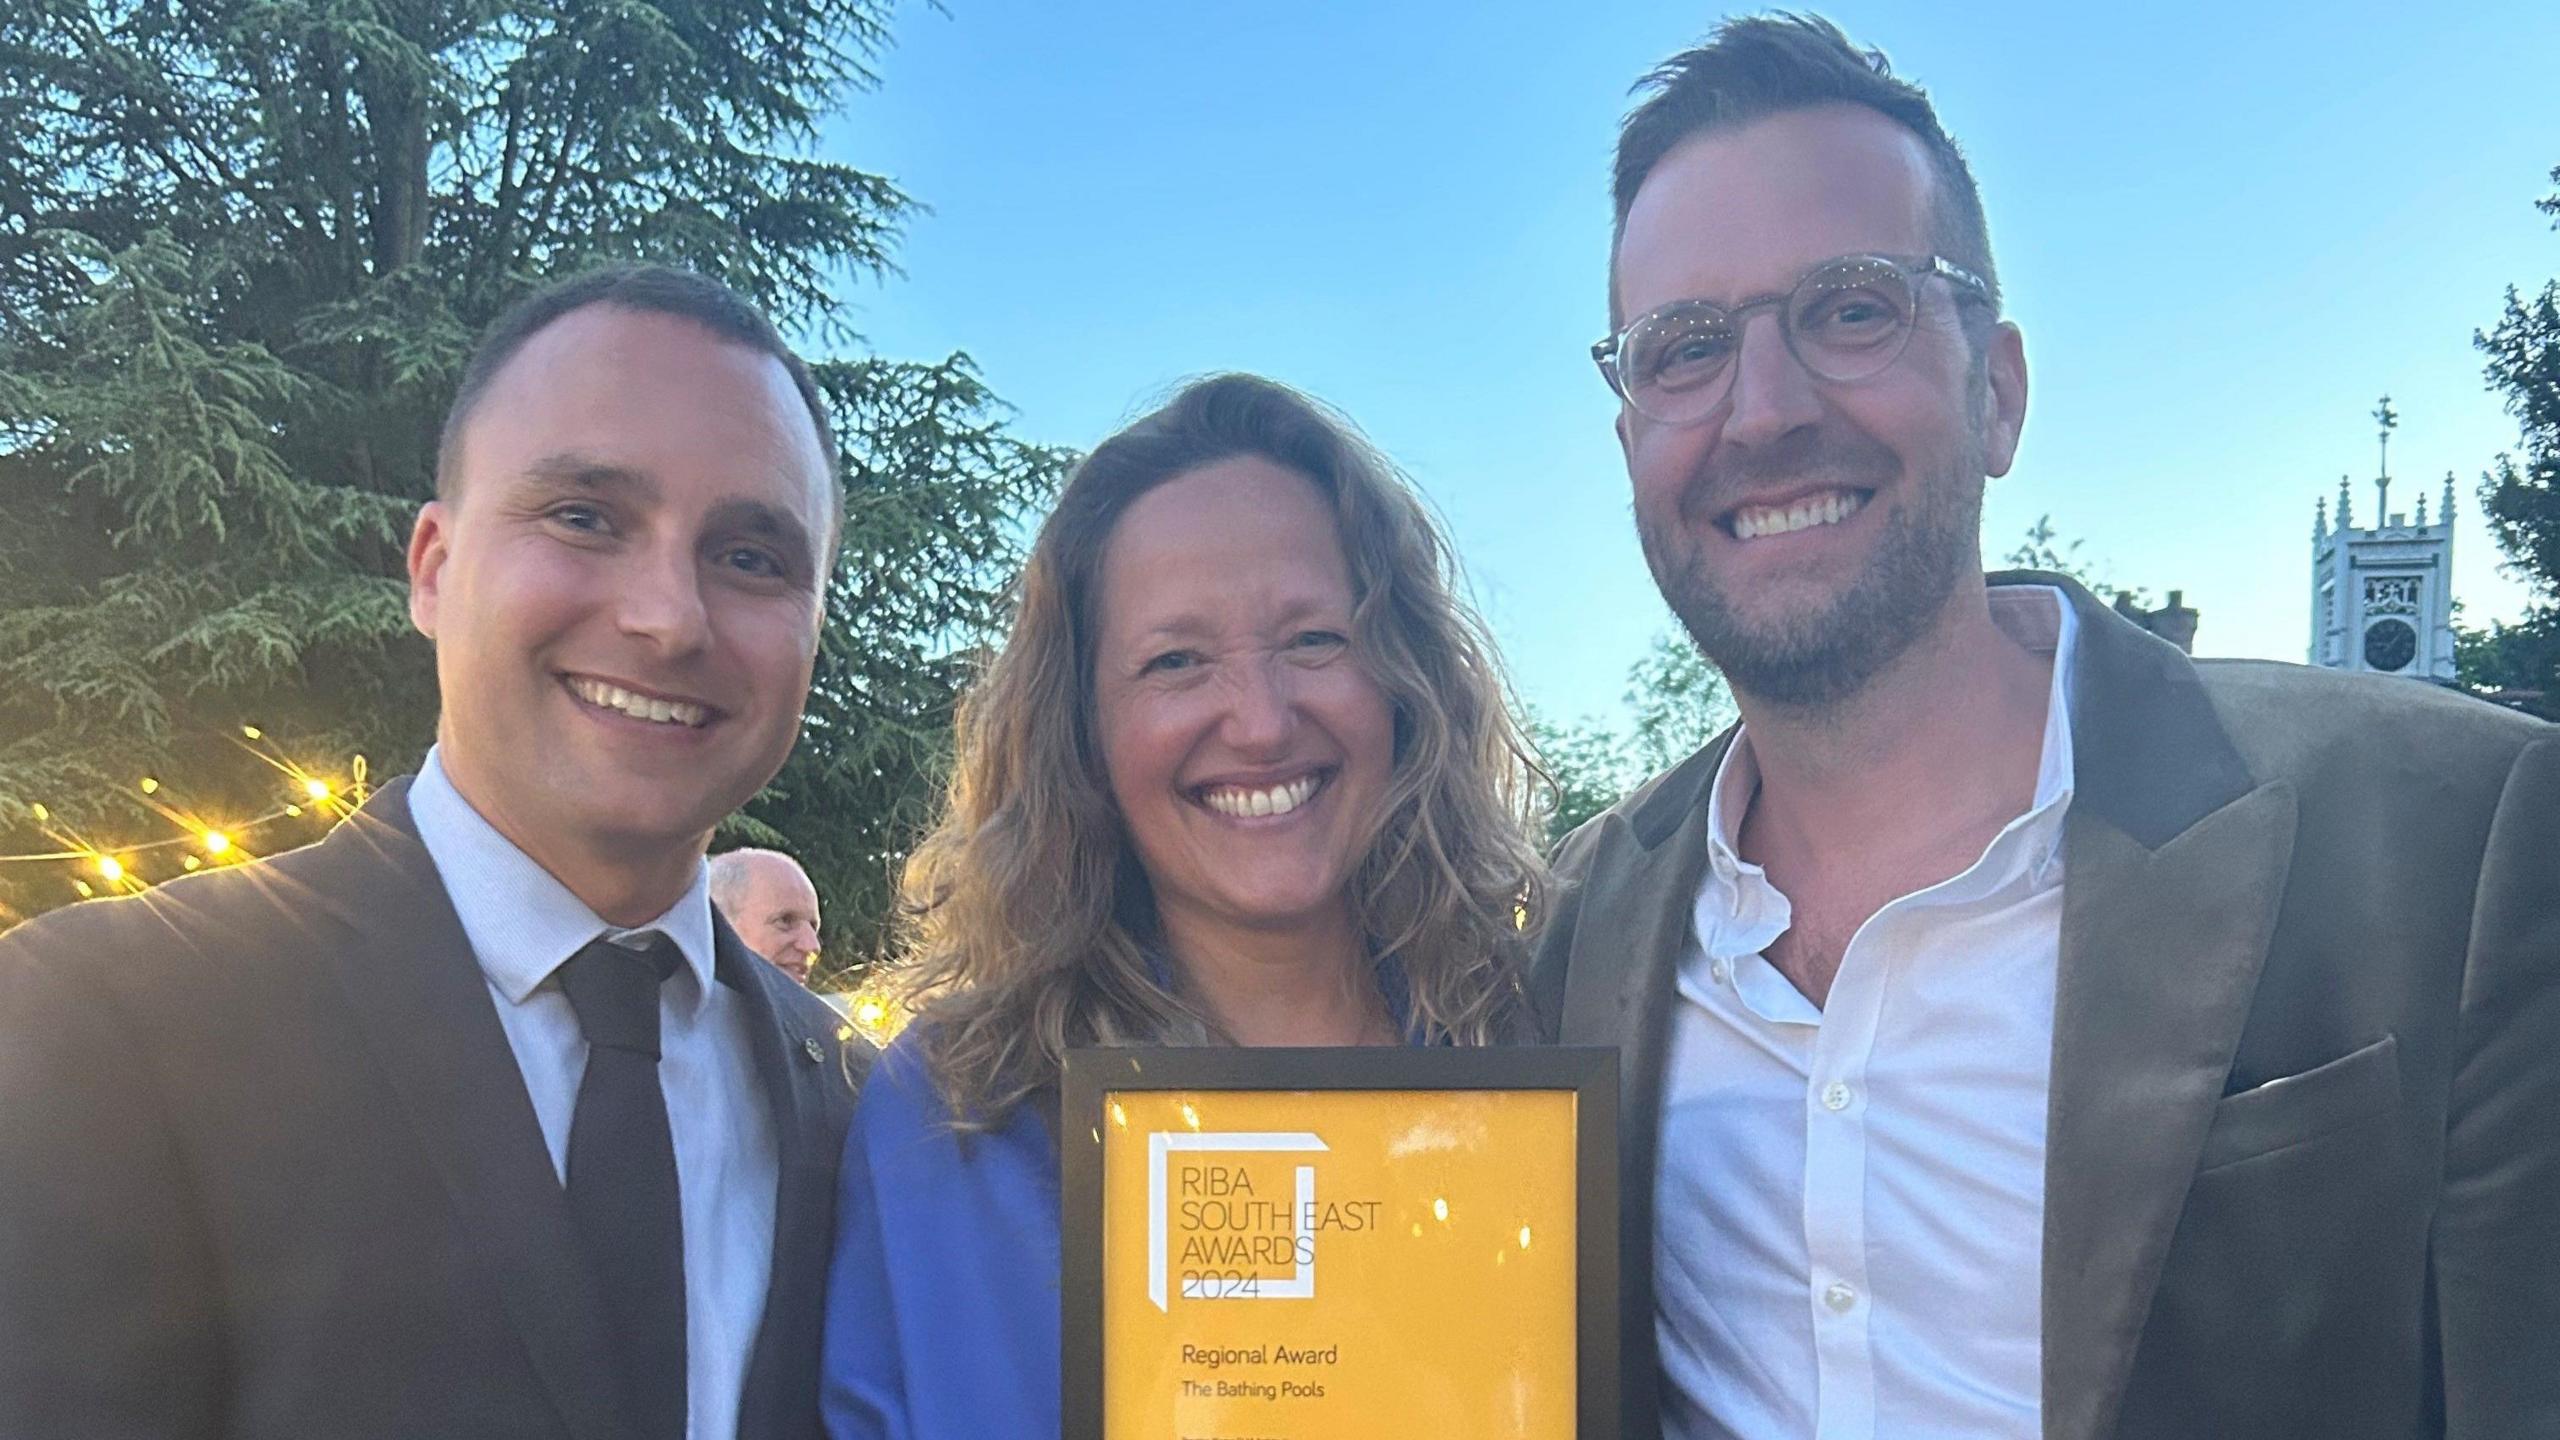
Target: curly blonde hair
1027 921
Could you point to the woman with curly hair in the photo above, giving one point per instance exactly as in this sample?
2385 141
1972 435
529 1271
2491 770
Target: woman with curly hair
1244 773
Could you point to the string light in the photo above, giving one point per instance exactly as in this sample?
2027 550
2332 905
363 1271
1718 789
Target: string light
870 1014
115 866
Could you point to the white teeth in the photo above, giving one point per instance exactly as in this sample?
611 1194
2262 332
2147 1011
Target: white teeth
1752 522
1277 800
638 707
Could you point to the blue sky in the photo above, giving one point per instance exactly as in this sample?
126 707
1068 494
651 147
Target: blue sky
2225 231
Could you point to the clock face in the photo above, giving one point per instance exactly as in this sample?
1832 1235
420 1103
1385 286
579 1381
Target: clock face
2390 644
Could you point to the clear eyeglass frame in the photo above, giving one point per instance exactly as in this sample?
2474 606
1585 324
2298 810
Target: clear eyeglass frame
1858 349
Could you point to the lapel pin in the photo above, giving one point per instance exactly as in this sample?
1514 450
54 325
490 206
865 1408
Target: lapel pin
815 1051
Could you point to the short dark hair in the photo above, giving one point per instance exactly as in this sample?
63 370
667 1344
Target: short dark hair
652 289
1757 66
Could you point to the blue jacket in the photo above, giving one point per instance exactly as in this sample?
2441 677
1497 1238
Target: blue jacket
942 1301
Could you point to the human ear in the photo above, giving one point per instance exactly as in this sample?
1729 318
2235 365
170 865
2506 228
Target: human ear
2006 364
430 543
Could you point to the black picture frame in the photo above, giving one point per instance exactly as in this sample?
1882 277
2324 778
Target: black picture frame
1092 1076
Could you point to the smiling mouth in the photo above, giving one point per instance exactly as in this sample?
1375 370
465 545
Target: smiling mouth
1826 507
1245 802
655 709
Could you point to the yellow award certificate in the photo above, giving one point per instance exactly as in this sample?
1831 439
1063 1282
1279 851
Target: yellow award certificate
1271 1244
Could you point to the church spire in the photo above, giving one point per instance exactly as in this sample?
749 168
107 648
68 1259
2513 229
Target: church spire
2389 420
2381 593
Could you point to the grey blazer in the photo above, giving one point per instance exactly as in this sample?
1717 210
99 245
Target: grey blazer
2303 1169
268 1168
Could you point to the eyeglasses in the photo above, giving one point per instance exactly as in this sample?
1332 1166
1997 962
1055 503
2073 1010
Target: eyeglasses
1845 320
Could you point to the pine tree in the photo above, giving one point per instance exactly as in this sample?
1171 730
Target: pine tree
244 248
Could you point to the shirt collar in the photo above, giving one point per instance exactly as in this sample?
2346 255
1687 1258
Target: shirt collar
521 921
2038 617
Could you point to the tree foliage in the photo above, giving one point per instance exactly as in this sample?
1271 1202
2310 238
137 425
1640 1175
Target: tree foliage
1588 770
2513 662
244 248
2043 548
2521 491
1677 703
2520 494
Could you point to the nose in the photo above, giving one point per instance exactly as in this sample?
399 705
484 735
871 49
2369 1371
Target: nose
1772 394
659 599
1261 711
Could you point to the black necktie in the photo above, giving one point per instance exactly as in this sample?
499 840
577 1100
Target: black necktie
622 1175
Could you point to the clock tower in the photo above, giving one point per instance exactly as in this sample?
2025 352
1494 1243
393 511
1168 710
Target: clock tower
2382 597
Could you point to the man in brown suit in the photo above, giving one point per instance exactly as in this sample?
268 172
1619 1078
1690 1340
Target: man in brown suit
2029 1031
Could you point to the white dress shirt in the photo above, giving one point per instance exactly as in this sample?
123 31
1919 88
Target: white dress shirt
523 924
1849 1204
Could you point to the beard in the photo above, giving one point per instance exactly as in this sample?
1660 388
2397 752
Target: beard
1824 654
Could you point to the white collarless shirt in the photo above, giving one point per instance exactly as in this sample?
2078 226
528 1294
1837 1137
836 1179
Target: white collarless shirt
1849 1201
522 924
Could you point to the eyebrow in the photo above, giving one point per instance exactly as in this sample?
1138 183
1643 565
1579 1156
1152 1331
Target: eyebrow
586 472
1191 625
765 522
753 517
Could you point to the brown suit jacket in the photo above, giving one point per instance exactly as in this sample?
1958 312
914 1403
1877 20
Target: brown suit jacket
2303 1169
268 1168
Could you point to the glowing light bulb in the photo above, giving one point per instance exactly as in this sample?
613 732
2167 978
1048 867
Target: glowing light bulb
253 732
110 867
42 814
149 785
1440 1210
870 1012
316 789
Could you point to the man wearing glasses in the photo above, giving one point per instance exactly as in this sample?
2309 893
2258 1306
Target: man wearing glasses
2030 1032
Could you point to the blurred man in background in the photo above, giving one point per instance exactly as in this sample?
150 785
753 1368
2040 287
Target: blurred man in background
771 904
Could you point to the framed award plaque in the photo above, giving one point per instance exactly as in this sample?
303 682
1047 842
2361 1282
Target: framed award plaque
1398 1242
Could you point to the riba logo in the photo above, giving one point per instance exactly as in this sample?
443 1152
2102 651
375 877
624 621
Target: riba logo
1229 1217
1232 1234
